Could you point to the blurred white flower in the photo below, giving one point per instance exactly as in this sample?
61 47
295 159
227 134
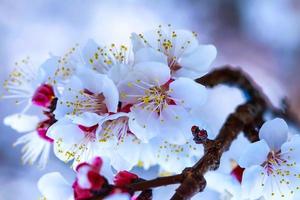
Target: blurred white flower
36 144
184 55
272 164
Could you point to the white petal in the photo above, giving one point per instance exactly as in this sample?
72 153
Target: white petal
184 39
92 81
138 130
119 163
111 94
149 54
189 93
274 132
292 148
86 119
253 182
254 154
152 72
229 183
22 122
35 148
98 83
147 120
89 50
118 72
175 124
54 187
131 155
199 60
136 42
66 136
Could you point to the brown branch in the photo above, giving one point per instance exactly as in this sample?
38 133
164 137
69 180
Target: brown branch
157 182
247 117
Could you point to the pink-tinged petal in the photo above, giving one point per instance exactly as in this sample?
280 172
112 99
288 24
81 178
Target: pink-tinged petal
199 60
253 182
21 122
188 93
254 154
124 178
82 177
274 132
149 54
54 187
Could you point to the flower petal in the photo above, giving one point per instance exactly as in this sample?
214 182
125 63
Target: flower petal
274 132
174 114
21 122
189 93
111 94
254 154
54 187
89 50
152 72
199 60
253 182
185 42
149 54
143 123
64 141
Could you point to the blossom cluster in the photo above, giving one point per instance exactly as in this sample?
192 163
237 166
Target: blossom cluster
133 106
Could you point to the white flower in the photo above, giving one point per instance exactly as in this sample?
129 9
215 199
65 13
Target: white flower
272 164
185 57
160 102
74 141
36 144
88 92
22 82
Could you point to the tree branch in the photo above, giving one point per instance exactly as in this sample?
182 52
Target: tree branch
247 117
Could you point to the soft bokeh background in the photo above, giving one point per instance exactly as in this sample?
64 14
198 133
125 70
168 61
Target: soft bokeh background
260 36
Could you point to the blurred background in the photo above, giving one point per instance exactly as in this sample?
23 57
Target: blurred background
260 36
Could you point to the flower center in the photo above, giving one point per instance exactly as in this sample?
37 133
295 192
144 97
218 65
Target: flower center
90 132
118 127
157 97
173 64
89 102
274 160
